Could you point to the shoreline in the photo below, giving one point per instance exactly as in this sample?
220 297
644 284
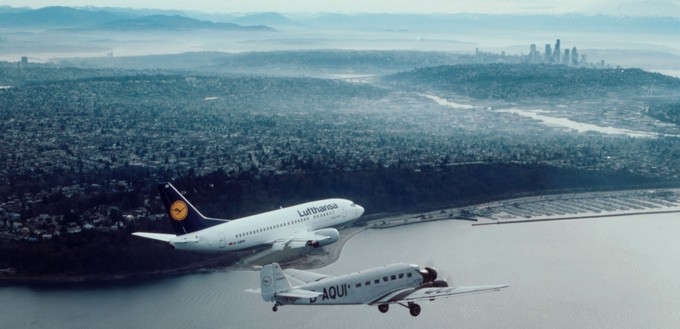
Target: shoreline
302 261
569 206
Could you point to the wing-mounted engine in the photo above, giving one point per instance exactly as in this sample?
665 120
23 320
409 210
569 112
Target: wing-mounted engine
331 235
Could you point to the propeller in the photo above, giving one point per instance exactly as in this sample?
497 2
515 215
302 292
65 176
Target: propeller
429 274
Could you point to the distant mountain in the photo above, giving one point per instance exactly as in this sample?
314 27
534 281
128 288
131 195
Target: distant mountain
161 22
12 10
269 19
477 22
113 19
58 17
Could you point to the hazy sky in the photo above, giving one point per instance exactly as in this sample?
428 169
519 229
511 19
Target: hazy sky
664 7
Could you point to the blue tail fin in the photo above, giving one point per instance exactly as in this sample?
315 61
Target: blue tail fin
184 217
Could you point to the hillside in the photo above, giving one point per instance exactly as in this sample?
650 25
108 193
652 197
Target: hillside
517 82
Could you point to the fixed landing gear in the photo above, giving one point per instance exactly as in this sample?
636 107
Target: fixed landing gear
276 307
414 309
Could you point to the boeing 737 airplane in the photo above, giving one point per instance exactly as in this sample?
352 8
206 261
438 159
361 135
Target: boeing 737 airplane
307 224
401 284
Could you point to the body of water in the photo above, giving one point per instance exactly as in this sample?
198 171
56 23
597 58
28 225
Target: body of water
619 272
580 127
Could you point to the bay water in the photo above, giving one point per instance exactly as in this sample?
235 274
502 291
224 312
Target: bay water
619 272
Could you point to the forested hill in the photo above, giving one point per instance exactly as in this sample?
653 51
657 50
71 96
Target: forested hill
519 81
106 255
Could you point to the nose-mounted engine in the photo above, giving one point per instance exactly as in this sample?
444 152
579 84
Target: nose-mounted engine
430 278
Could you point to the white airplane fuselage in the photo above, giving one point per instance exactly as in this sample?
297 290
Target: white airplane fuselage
401 284
360 287
261 229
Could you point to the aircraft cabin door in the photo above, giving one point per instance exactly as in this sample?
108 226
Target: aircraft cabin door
223 241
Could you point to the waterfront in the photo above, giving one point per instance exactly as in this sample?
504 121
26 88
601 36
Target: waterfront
619 272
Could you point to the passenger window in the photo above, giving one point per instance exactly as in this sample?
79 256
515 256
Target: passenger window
367 283
376 281
393 277
408 275
385 278
401 275
358 285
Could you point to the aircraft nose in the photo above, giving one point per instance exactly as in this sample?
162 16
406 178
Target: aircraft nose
360 210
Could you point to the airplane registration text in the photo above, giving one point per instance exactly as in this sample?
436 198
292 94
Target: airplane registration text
332 292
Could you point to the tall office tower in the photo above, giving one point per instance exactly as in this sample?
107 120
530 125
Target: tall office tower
574 56
557 53
547 57
533 54
566 57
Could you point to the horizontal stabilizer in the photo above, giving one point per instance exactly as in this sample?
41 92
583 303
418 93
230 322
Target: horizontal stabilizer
305 276
299 293
156 236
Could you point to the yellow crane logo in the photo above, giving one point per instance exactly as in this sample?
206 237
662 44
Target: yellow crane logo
179 210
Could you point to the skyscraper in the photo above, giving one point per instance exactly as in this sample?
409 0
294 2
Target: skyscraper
574 56
557 53
547 57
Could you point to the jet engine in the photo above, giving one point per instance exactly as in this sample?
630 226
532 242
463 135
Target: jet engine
331 233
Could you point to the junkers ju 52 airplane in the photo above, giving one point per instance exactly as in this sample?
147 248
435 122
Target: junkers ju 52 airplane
401 284
307 224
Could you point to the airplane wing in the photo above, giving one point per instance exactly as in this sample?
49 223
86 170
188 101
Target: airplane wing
305 276
156 236
410 295
297 240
